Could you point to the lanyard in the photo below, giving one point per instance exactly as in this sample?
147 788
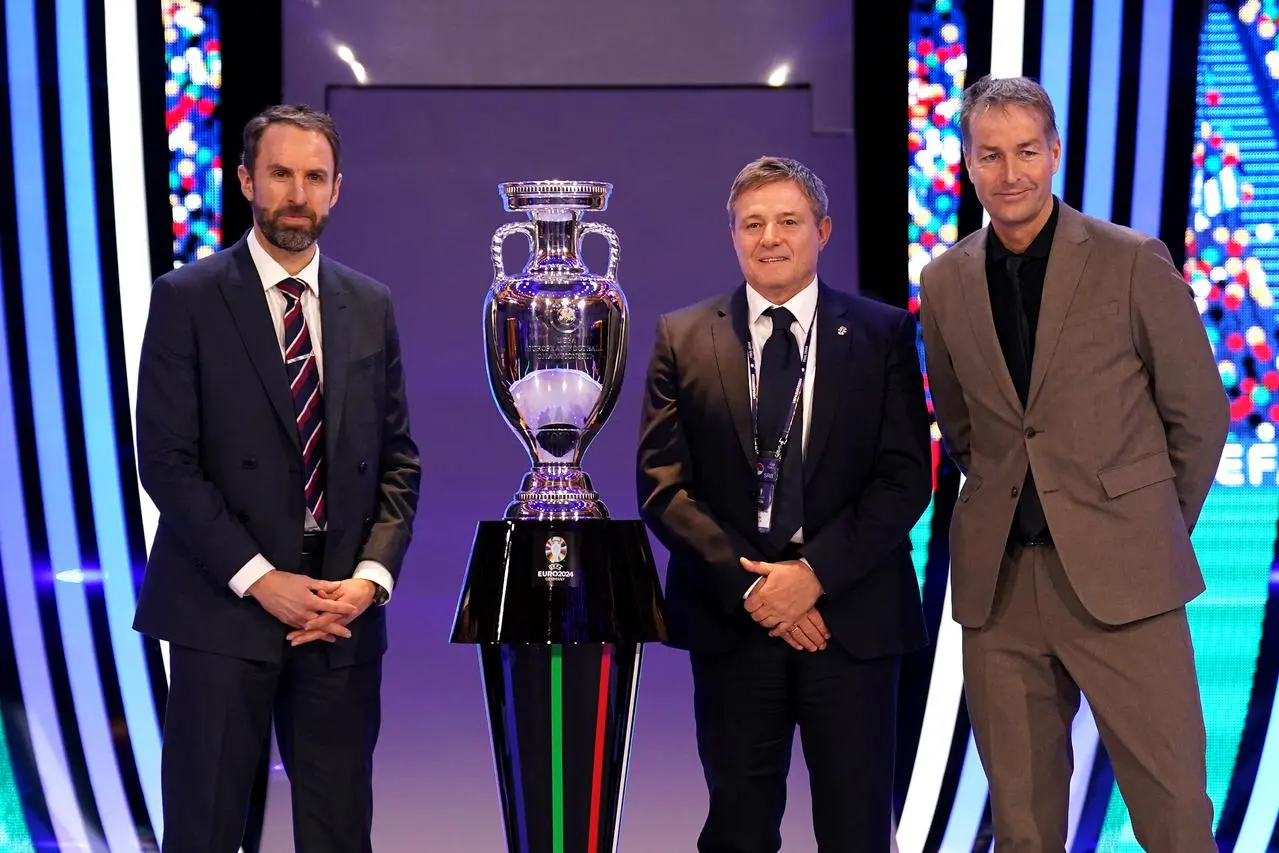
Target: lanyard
794 403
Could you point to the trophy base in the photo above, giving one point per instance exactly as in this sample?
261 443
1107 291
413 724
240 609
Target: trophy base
561 719
556 493
549 581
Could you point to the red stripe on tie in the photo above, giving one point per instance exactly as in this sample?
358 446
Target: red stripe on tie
310 483
303 374
317 512
312 404
296 347
310 442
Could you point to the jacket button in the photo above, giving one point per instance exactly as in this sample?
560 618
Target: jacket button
1014 491
1031 432
250 462
364 466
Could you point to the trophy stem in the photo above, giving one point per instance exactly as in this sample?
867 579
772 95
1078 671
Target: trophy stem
556 242
555 491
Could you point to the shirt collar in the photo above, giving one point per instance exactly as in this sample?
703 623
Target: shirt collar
1038 248
802 305
272 273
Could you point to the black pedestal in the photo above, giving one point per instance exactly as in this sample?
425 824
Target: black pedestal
560 611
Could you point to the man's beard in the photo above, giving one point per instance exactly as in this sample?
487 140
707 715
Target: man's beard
290 238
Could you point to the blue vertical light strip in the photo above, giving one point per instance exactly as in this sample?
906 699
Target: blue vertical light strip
1152 115
970 804
96 401
517 774
1263 806
33 678
1054 75
51 441
15 552
1103 108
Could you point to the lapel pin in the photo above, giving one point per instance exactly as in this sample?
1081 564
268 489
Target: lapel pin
842 330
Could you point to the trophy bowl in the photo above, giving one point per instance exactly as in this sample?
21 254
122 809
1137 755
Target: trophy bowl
555 343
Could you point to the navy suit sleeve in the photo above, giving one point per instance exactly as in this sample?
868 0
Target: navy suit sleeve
400 469
168 415
864 533
664 484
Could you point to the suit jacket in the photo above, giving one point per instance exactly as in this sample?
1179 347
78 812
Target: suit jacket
1123 426
867 472
218 452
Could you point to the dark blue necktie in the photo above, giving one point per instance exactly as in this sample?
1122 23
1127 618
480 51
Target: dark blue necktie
779 373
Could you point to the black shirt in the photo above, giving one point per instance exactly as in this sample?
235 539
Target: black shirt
1015 304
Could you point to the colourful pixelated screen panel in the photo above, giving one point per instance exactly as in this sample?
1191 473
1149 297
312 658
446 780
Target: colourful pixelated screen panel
194 56
935 77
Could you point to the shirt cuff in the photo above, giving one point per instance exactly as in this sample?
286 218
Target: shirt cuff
372 570
751 588
250 574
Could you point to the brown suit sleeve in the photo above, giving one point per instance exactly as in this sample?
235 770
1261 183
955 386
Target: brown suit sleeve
664 485
1170 339
948 396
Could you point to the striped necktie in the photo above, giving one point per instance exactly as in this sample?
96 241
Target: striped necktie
308 404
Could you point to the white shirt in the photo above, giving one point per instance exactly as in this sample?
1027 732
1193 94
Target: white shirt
271 274
803 306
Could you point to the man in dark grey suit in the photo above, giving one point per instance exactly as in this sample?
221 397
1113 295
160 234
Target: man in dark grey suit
273 436
795 611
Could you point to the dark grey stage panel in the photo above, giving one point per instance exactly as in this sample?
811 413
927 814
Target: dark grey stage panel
418 208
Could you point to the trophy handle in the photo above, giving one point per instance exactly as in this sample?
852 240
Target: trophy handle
610 235
528 229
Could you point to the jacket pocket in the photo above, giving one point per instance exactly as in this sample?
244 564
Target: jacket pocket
971 484
1102 312
1121 479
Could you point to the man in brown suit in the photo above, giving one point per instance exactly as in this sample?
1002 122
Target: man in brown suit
1075 388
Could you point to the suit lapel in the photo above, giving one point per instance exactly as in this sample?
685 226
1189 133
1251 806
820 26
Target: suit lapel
972 274
335 321
730 336
834 363
1066 262
246 299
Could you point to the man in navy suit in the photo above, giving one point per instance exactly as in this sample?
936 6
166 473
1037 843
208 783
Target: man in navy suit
783 460
273 437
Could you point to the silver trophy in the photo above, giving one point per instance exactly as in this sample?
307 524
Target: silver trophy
559 598
555 339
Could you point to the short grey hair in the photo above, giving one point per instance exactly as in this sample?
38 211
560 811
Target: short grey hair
1005 92
767 170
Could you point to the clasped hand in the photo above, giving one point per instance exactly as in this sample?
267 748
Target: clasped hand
315 609
784 603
